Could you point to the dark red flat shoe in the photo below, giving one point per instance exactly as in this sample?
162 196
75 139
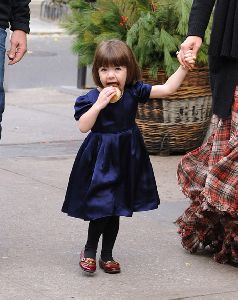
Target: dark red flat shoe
87 264
110 266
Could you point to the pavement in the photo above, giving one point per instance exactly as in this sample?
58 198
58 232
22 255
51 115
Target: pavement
40 246
43 27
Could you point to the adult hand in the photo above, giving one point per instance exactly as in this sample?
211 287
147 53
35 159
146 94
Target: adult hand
191 43
18 46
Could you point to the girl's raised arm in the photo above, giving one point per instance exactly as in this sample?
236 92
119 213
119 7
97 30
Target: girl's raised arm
170 86
174 81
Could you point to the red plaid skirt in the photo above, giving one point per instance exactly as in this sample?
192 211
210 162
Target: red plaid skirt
209 177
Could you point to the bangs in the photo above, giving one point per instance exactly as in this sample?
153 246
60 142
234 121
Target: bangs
112 55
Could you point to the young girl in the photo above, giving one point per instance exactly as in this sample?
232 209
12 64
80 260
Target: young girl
112 175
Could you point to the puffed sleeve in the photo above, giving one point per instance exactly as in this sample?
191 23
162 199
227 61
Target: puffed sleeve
142 91
82 105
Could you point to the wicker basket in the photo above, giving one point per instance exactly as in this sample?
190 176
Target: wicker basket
178 123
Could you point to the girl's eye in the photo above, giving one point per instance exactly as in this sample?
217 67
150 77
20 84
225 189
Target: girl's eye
102 69
118 68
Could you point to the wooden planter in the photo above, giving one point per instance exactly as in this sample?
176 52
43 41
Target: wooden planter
178 123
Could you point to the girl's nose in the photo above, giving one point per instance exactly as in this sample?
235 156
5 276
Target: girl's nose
111 73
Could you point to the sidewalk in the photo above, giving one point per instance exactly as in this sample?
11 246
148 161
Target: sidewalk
39 26
40 246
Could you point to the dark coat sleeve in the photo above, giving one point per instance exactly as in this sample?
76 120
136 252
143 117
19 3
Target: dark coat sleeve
20 15
199 17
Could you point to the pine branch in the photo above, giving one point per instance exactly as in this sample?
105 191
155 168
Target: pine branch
154 32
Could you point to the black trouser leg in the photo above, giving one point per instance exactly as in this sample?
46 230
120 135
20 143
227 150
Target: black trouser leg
109 237
95 229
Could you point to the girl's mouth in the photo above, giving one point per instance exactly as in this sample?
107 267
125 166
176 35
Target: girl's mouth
115 84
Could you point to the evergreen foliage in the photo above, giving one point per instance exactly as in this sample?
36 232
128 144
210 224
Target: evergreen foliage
153 29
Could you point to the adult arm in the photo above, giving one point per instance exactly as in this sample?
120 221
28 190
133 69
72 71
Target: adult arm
20 15
199 17
19 24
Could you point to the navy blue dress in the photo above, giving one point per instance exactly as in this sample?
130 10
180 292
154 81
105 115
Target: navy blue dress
112 173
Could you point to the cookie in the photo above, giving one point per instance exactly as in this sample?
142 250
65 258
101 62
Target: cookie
117 96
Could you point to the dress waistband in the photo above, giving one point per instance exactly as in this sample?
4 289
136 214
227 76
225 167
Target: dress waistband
108 131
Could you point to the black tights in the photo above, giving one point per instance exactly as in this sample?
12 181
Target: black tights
107 227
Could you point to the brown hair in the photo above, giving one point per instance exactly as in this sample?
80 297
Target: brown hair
115 53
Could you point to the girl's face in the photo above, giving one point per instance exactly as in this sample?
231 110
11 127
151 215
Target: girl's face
113 76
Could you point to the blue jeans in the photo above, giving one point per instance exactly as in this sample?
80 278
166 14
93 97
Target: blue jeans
3 35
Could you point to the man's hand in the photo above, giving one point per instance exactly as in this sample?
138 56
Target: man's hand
191 43
18 46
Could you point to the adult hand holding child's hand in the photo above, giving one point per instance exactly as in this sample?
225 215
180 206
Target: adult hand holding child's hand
189 59
192 43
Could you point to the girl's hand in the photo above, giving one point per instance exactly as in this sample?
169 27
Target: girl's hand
189 58
105 96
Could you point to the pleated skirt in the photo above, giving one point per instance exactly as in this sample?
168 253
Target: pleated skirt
209 177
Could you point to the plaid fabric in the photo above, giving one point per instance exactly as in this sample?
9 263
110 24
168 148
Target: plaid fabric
209 177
